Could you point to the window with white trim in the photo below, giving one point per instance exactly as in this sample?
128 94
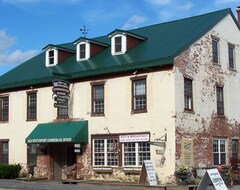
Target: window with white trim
135 153
119 44
83 51
105 152
188 94
51 57
4 109
219 151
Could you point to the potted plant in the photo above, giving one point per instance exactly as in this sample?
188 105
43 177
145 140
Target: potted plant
182 173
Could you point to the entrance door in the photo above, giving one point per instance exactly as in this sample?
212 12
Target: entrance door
62 154
57 156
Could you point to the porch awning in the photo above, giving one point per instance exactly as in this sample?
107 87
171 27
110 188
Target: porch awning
72 131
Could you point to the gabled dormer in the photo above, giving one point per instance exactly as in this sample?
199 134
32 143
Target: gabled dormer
87 48
55 54
122 41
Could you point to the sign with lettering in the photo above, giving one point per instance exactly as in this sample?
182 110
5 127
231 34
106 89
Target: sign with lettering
60 93
212 175
134 138
50 140
149 173
187 152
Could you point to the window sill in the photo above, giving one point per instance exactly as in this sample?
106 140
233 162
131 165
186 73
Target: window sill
189 111
62 117
216 64
132 170
102 170
97 114
4 122
232 69
31 120
138 111
221 116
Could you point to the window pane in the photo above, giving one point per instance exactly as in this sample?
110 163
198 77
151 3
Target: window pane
4 108
5 150
143 152
188 94
99 152
118 44
51 57
32 154
220 110
139 94
219 151
32 106
129 154
98 99
215 50
82 51
112 152
62 111
231 57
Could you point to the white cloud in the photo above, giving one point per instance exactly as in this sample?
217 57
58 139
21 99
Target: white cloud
134 21
186 7
158 2
226 1
15 57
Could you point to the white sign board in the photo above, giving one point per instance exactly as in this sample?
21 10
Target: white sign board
134 138
150 172
212 175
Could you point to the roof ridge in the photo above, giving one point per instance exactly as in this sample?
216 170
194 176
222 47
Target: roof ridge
177 20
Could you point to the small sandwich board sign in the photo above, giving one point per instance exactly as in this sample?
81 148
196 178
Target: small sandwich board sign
214 177
148 172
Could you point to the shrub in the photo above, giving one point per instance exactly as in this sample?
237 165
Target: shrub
9 171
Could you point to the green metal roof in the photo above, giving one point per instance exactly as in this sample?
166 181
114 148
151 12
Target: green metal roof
162 43
72 131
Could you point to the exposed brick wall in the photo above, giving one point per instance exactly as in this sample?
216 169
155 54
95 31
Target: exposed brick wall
203 124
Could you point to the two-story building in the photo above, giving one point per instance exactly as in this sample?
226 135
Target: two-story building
168 93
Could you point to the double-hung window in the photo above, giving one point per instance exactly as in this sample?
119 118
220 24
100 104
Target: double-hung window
118 44
135 153
188 94
105 152
220 103
4 109
219 151
231 61
31 105
234 148
51 57
4 149
139 94
215 51
98 98
62 112
82 50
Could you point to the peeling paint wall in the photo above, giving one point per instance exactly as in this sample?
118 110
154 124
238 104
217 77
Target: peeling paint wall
203 124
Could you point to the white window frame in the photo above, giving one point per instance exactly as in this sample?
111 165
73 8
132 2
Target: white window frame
105 152
124 44
219 150
55 62
137 161
87 51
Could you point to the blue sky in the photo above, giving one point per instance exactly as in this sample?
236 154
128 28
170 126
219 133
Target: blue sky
26 26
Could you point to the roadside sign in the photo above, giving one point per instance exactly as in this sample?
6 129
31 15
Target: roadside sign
148 172
214 177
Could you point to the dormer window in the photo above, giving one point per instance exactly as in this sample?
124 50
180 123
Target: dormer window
51 57
83 51
119 44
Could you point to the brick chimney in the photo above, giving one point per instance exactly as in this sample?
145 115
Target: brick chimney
238 13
